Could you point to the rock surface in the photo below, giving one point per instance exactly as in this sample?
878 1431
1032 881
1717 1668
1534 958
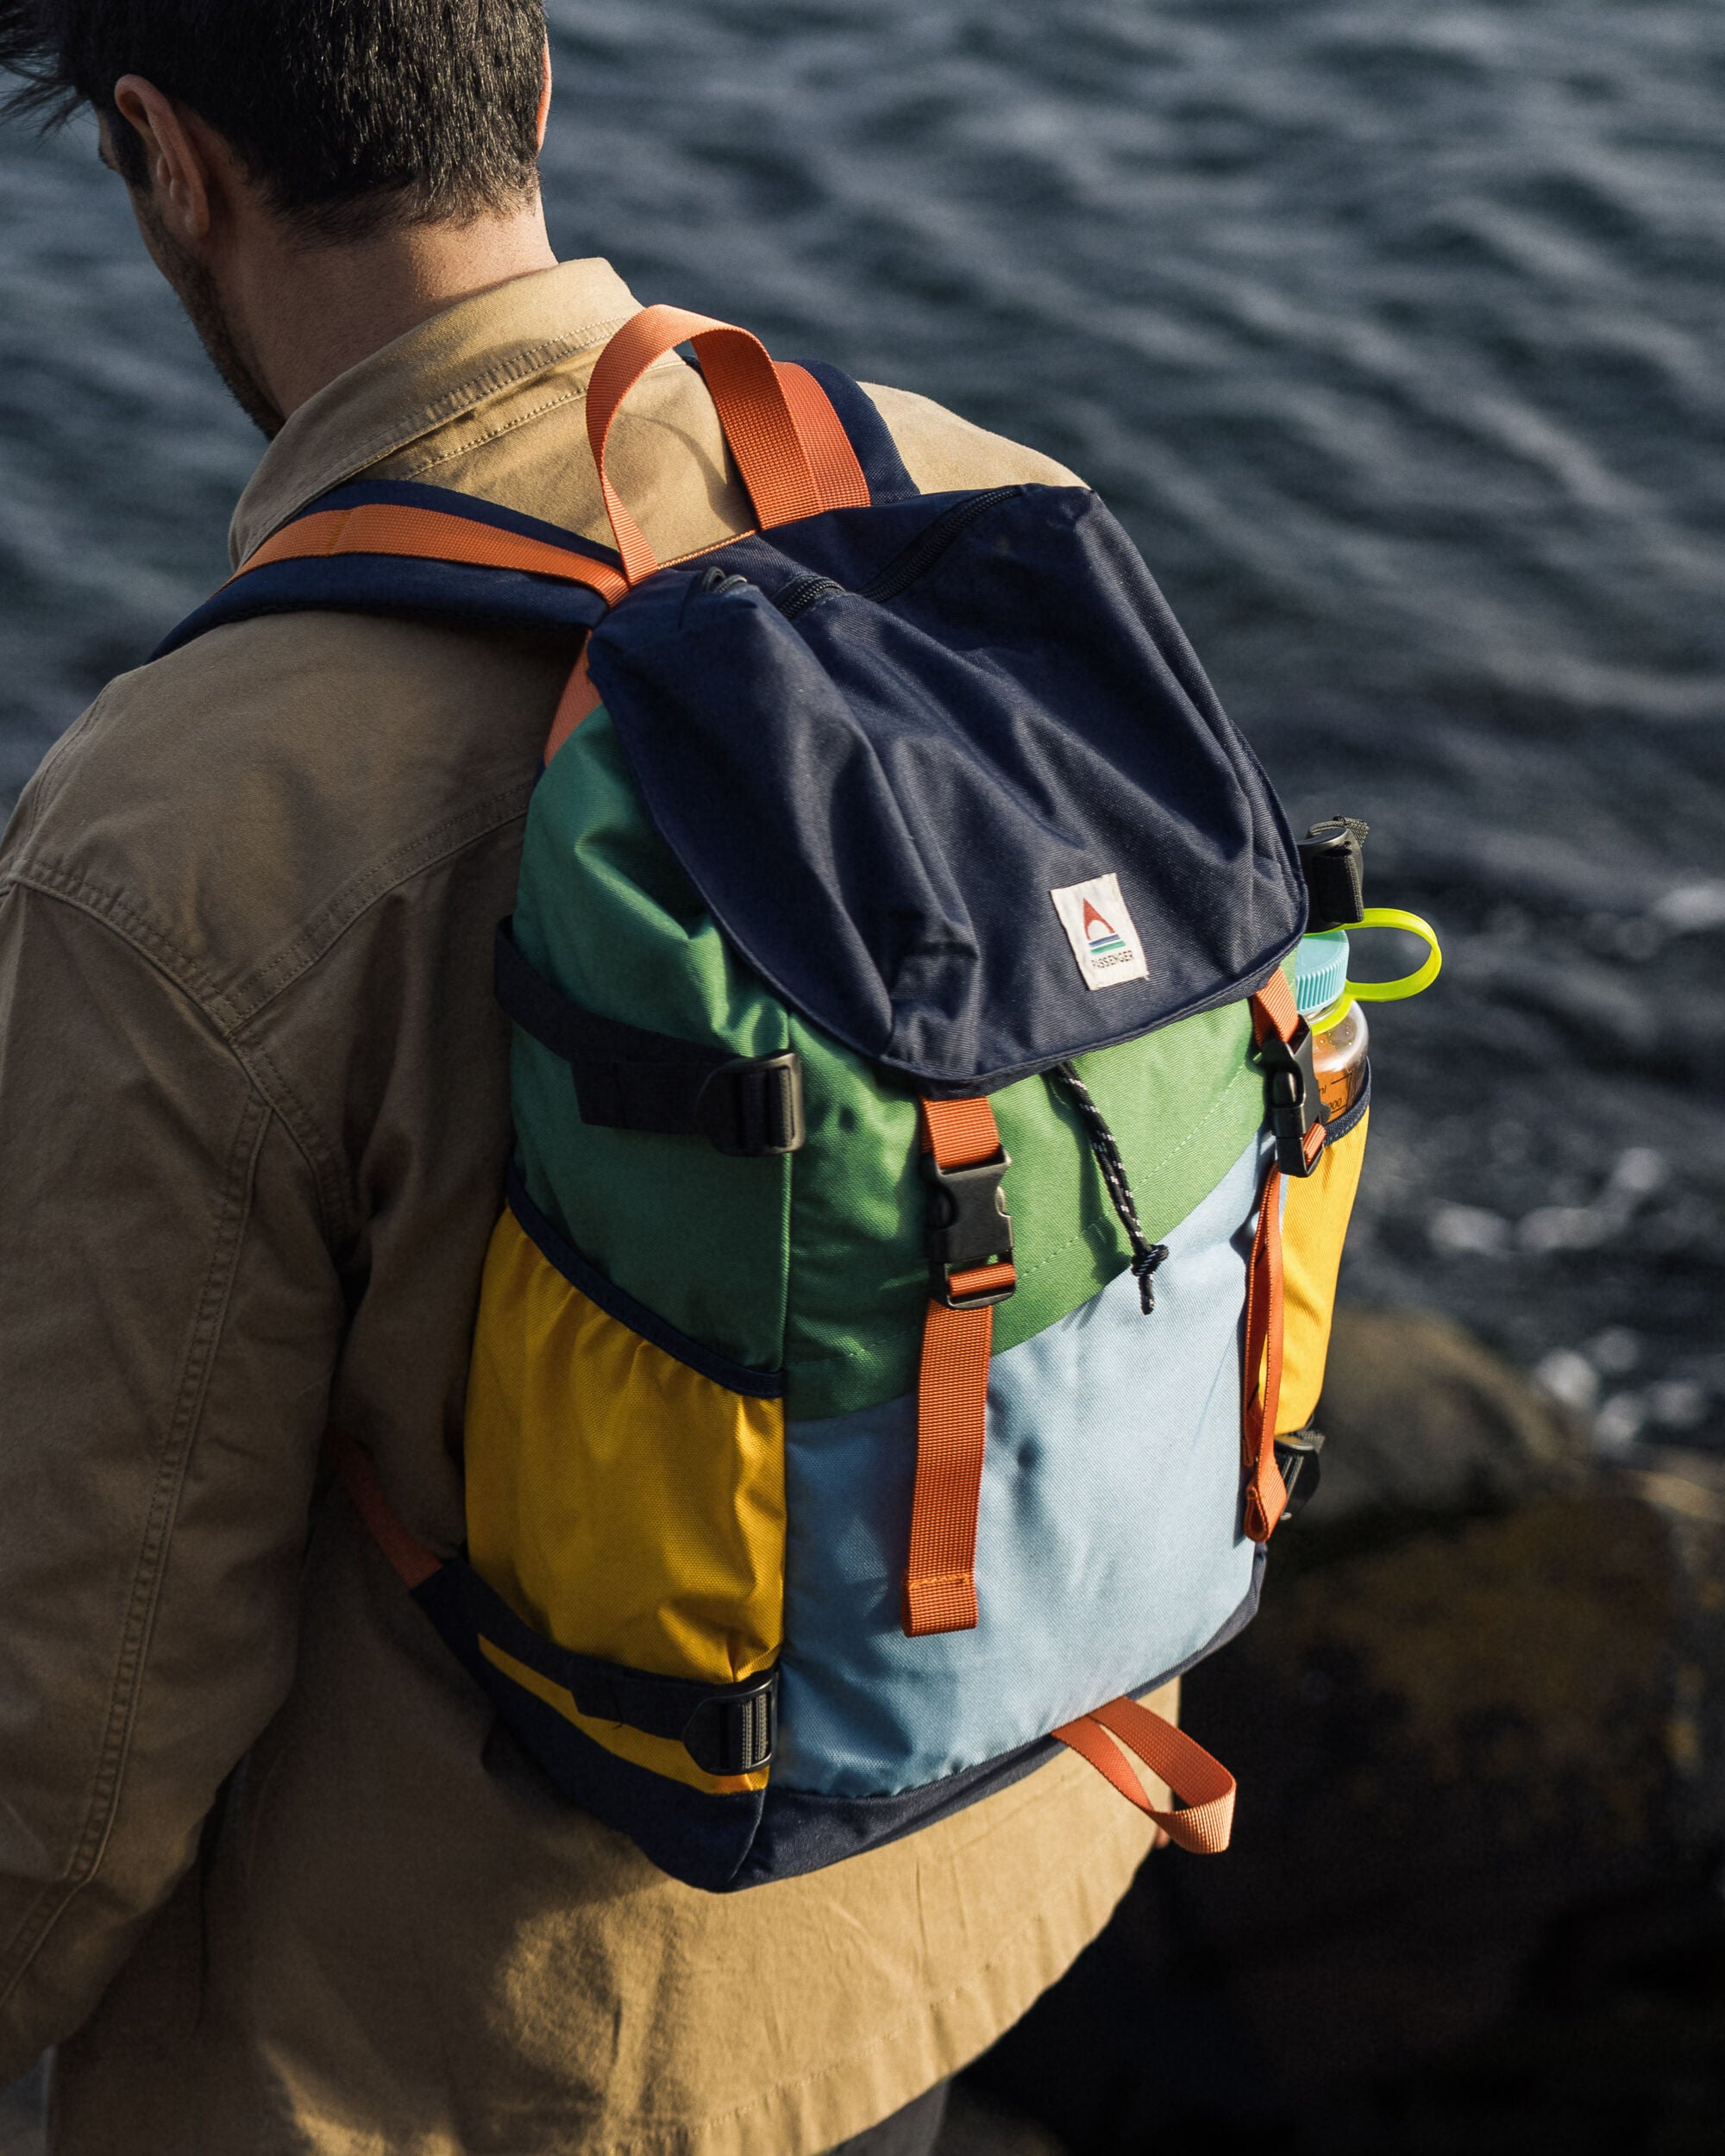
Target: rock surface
976 2127
1479 1730
1421 1419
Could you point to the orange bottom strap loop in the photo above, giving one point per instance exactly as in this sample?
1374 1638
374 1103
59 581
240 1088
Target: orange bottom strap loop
1203 1785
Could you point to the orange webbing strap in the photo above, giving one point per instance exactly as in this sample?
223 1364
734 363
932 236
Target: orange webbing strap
1265 1493
787 474
1274 1010
838 473
1203 1785
430 535
952 1405
580 701
354 1470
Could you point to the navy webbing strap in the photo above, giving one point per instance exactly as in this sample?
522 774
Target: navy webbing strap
725 1729
629 1079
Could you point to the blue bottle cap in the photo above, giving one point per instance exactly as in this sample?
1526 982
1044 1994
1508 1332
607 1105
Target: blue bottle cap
1321 971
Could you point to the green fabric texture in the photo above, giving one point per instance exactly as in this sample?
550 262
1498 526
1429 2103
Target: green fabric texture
816 1263
604 910
1183 1104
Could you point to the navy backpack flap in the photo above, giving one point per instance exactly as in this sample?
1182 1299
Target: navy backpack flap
983 809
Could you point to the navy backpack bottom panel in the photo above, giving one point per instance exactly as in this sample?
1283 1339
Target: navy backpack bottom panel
722 1843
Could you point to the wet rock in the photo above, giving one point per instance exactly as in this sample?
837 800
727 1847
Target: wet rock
1442 1747
1420 1418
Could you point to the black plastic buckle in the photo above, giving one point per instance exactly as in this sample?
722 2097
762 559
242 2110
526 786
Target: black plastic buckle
1298 1458
1290 1086
968 1225
1334 862
734 1732
754 1107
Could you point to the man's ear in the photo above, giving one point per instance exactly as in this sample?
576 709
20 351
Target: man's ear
177 155
545 96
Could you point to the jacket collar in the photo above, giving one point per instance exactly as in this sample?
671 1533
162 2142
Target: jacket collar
478 349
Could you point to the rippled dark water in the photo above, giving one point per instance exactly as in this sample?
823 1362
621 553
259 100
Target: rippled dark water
1397 337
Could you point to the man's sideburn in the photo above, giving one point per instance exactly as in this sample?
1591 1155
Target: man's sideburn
197 292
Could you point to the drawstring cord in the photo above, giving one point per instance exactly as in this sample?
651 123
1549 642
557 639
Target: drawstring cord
1146 1255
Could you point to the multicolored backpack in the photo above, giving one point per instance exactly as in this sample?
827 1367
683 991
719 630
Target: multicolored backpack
914 1287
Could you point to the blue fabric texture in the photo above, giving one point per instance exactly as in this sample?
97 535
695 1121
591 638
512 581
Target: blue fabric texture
721 1844
1109 1547
924 719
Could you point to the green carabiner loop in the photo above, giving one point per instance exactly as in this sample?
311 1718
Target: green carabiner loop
1410 984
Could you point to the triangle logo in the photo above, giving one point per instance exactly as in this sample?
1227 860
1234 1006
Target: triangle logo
1099 928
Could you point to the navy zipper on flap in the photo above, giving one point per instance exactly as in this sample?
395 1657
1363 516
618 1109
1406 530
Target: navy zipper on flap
922 554
917 559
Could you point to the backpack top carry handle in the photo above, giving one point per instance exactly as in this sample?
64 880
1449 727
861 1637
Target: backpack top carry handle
793 455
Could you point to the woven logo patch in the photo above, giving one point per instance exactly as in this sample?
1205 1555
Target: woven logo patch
1101 931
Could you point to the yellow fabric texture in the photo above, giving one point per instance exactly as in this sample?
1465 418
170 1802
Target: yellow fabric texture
624 1504
1314 1222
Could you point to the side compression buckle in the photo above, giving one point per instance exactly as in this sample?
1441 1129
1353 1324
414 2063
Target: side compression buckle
734 1732
629 1079
969 1227
754 1107
1291 1089
1300 1461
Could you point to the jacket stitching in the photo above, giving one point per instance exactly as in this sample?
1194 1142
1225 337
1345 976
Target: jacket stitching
489 381
39 788
234 1013
245 1002
103 1806
575 396
110 910
52 880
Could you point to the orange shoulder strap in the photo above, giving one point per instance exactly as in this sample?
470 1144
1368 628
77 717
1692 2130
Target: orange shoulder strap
1273 1011
433 535
1261 1381
413 1562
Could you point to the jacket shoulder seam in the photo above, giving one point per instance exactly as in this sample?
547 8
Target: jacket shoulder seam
110 910
242 1005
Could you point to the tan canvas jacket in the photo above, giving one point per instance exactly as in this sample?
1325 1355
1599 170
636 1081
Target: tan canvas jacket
267 1873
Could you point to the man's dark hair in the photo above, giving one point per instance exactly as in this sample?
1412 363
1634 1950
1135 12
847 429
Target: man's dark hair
352 114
